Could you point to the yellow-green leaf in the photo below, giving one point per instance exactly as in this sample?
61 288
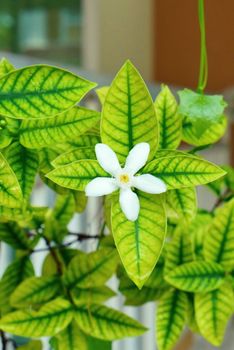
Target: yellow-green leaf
170 121
91 270
170 319
92 295
197 276
48 321
74 155
77 175
179 251
5 67
15 273
219 240
183 171
183 202
10 191
24 163
87 140
213 310
102 92
105 323
128 115
211 135
140 243
35 290
72 338
40 91
14 235
50 131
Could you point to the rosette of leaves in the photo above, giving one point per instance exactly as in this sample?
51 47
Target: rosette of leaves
45 132
129 116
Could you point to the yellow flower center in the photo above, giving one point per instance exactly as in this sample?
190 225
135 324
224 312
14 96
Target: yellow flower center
124 178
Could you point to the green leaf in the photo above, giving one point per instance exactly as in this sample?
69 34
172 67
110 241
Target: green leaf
191 318
50 131
48 321
179 251
91 270
183 202
198 229
201 110
80 201
73 156
99 344
72 338
10 191
229 178
102 92
213 311
35 290
15 273
32 345
15 236
57 219
140 243
64 209
86 140
40 91
92 295
170 121
25 164
46 156
197 276
183 171
153 289
128 115
170 319
211 135
5 67
77 175
163 153
219 240
105 323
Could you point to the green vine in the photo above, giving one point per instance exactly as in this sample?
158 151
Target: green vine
203 74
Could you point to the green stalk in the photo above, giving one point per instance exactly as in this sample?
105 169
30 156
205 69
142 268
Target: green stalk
203 74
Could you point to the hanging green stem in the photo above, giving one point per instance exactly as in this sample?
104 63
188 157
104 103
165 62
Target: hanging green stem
203 74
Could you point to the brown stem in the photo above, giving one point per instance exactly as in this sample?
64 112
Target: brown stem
54 256
80 237
221 199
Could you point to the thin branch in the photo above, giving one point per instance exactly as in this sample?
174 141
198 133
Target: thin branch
221 199
54 256
80 237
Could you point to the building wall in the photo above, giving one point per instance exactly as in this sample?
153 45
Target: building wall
177 42
117 30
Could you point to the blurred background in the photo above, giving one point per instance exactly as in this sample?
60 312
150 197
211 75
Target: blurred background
161 37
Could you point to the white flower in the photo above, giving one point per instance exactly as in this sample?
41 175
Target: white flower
124 178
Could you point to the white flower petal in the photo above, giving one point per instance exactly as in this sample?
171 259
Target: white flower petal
149 183
107 158
137 157
129 204
100 186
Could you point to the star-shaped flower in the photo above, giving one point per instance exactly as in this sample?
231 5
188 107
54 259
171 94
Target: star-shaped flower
125 178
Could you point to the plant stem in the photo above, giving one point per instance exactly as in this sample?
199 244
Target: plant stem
203 74
54 256
221 199
80 237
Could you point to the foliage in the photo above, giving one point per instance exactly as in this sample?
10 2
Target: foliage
173 253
